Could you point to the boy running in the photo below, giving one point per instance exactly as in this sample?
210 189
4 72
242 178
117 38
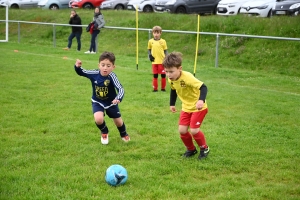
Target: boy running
105 98
192 93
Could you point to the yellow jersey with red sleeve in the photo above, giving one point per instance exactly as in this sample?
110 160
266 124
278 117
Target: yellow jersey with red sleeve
157 48
188 90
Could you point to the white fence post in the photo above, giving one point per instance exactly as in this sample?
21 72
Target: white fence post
217 50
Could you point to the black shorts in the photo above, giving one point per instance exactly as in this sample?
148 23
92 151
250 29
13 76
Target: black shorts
112 112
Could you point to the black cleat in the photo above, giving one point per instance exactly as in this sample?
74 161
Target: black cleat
203 153
189 153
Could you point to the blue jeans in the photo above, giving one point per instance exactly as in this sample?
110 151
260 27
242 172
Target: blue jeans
77 35
93 40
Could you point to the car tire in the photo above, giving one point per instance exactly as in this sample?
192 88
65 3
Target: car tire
53 7
119 7
87 6
215 11
148 9
269 13
180 10
15 6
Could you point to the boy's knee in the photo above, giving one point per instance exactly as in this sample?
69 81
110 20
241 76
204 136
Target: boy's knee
99 121
194 131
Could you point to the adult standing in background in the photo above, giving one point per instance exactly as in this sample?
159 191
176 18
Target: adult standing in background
76 30
98 23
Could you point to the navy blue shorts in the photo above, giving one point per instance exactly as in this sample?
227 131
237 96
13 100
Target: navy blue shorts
112 112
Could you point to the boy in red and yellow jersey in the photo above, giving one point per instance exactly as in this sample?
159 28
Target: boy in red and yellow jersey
192 93
157 50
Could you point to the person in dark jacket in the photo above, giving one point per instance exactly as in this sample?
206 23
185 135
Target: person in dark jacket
98 21
76 30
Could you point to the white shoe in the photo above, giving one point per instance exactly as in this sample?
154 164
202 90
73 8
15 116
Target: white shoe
104 138
126 138
87 52
92 52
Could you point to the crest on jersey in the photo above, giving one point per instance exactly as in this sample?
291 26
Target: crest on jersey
182 83
107 82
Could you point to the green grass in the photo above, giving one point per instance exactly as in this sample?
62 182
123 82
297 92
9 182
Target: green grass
50 147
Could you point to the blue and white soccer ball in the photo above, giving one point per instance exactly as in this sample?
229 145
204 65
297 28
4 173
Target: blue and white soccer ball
116 175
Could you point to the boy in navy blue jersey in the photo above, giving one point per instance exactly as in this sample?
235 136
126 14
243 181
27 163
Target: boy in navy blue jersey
105 98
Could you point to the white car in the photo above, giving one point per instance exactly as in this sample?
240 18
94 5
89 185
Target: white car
3 3
53 4
260 8
142 5
22 3
230 7
114 4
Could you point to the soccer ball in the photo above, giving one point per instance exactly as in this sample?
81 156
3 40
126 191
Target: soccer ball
116 175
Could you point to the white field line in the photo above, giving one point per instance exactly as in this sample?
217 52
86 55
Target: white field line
262 89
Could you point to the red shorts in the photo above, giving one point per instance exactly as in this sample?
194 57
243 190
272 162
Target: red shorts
158 69
193 119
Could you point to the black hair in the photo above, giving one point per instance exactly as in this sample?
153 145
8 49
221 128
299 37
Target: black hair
107 55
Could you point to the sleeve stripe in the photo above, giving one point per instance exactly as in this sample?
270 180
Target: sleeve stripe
94 71
118 85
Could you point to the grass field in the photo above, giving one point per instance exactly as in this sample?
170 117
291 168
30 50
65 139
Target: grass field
50 147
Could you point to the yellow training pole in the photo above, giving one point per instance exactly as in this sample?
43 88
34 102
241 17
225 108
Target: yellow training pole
198 28
137 36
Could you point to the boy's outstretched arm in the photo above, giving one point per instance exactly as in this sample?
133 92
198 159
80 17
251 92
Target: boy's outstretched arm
78 63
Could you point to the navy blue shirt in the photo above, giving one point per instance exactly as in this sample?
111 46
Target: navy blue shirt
105 88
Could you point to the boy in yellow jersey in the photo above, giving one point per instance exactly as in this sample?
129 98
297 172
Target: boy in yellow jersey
192 93
157 50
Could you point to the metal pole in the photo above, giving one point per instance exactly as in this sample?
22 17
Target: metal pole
217 50
137 36
6 16
54 42
19 35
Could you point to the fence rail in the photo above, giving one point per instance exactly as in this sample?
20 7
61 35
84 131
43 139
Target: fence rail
149 33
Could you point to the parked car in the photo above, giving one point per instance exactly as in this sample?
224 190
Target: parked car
3 3
22 3
230 7
70 3
142 5
88 4
53 4
191 6
260 8
160 5
114 4
286 7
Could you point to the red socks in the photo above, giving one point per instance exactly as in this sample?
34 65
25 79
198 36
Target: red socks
155 83
188 141
200 139
163 83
